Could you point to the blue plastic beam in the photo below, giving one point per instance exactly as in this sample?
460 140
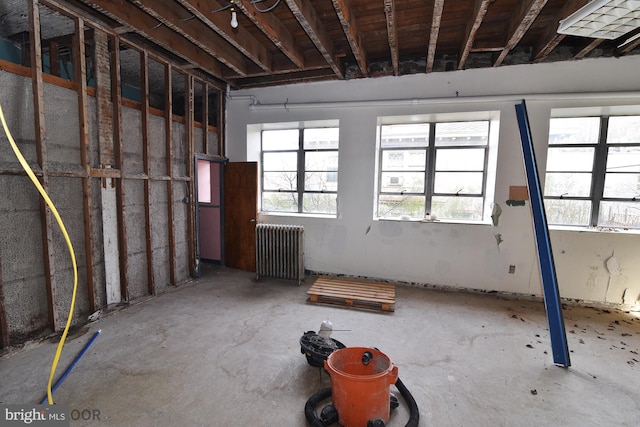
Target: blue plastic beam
552 303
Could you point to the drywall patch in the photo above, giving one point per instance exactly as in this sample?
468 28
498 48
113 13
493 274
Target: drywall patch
495 214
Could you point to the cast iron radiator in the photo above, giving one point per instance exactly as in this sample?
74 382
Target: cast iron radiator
280 251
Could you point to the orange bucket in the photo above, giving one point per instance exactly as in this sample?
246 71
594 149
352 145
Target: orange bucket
360 380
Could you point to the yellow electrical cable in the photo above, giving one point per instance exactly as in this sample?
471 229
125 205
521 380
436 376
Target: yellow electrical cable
46 198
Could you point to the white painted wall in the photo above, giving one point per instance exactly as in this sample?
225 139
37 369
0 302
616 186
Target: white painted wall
456 255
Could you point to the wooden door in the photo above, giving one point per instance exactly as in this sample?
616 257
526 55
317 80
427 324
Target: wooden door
240 214
209 211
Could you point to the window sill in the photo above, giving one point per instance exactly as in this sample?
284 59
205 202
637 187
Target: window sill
586 229
298 215
437 221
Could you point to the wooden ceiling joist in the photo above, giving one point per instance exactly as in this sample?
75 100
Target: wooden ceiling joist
239 37
438 6
172 15
551 39
308 19
128 14
392 34
588 48
479 12
275 30
348 22
528 12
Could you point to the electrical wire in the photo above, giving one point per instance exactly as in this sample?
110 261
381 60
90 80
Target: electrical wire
46 198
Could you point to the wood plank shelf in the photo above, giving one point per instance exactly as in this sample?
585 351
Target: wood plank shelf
353 293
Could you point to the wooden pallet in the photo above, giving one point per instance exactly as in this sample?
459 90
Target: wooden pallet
353 293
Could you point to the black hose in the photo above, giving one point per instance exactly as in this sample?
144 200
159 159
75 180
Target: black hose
315 421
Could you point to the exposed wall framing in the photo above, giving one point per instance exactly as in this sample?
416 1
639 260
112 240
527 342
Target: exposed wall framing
151 175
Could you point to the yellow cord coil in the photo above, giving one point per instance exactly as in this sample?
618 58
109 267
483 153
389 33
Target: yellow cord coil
46 198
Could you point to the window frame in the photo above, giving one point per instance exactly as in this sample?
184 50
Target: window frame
431 151
301 171
598 173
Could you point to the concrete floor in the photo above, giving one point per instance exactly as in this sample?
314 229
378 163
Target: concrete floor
224 351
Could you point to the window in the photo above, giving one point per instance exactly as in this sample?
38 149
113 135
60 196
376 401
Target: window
435 168
593 171
300 170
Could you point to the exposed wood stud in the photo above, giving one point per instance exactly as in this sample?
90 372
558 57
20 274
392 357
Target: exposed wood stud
438 6
239 37
41 151
480 11
54 58
205 118
189 159
221 124
168 131
348 22
520 23
116 101
146 152
275 30
392 33
80 74
308 19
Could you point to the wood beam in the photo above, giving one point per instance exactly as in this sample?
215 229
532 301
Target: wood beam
392 33
239 37
41 151
479 12
628 47
221 123
80 76
308 19
116 102
551 39
168 135
205 118
146 25
172 15
189 167
146 152
438 6
527 13
588 48
275 30
348 22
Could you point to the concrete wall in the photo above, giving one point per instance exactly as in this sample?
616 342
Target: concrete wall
22 270
449 254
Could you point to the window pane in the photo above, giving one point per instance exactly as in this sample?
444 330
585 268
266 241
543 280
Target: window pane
574 130
411 135
396 182
462 133
459 159
568 212
319 203
623 159
623 129
321 138
280 161
619 214
280 181
457 208
404 160
280 139
458 182
625 185
280 202
567 184
570 159
321 161
400 206
321 181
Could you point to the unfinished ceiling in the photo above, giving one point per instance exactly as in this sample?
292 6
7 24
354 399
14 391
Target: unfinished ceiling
307 40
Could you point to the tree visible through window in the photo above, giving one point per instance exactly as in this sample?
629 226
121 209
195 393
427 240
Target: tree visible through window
593 171
300 170
436 169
